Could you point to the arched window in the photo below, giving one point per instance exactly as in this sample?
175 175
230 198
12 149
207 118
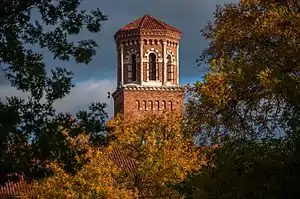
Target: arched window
138 106
144 105
133 64
157 105
152 66
151 105
132 69
129 73
170 70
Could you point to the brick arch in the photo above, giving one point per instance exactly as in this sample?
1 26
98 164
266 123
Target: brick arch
169 52
129 53
138 104
152 50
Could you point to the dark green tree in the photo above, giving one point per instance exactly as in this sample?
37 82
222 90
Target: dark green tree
30 129
246 169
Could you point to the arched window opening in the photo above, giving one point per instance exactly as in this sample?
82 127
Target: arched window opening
157 105
170 105
163 105
129 73
138 106
152 66
133 65
144 105
151 105
170 70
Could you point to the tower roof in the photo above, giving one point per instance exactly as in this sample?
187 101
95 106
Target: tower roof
148 22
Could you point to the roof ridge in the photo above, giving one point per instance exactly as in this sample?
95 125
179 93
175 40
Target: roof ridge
161 22
148 22
143 21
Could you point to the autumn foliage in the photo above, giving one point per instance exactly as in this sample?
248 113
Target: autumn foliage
253 81
248 102
94 180
157 147
246 110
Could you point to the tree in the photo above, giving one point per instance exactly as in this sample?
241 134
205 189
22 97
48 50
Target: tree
29 135
97 179
246 169
163 156
247 99
253 82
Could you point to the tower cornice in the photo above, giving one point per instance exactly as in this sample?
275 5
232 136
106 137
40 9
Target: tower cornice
146 33
175 88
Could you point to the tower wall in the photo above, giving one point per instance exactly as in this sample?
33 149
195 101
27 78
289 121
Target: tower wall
140 102
150 90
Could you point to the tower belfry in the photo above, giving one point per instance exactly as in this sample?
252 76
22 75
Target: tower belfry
147 68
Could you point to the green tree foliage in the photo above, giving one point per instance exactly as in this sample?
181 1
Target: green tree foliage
30 129
246 169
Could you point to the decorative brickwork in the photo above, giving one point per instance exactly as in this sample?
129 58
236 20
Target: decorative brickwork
148 68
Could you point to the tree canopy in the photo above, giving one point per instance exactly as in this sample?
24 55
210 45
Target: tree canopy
29 128
145 159
252 86
163 155
96 179
245 112
248 103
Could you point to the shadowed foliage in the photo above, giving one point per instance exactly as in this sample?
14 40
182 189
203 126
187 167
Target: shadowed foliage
30 132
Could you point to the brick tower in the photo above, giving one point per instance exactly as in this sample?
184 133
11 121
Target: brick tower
147 68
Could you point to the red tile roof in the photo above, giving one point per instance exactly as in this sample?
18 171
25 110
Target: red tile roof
122 161
148 22
12 189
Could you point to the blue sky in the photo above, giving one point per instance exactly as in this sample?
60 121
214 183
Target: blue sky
93 81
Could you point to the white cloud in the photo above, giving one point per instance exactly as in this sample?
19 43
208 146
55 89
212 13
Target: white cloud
8 91
87 92
80 97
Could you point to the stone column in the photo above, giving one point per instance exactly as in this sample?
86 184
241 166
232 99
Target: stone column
177 64
122 65
164 62
141 61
